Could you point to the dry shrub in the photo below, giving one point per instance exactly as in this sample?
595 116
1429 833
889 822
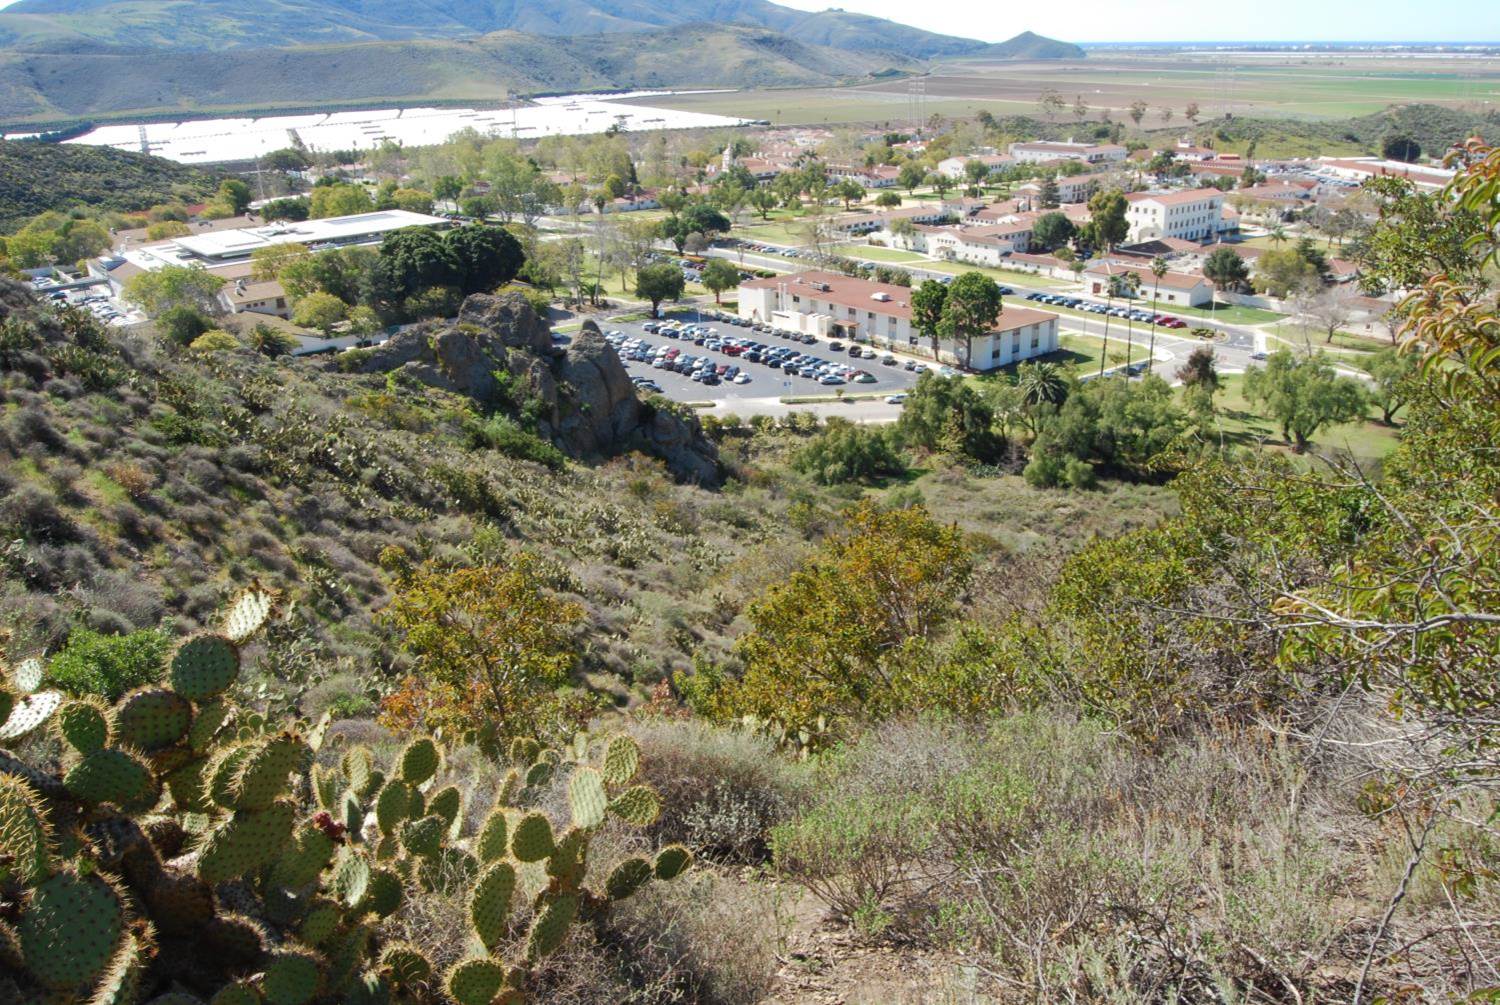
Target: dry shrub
130 476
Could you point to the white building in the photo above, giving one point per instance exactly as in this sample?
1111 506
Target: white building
1193 215
1042 151
954 167
1178 289
337 231
836 306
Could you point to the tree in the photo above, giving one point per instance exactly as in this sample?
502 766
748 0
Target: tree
295 209
484 256
1225 270
888 200
1304 395
850 191
662 281
764 200
182 324
843 637
849 452
319 310
1282 272
1080 108
268 263
175 286
1166 114
414 259
490 644
927 304
215 340
340 199
1050 102
1041 383
269 341
912 176
947 415
1158 269
1392 372
447 188
976 170
1107 223
1400 147
718 276
1419 234
971 310
1200 381
1191 113
1332 309
235 195
1137 111
1048 197
1052 231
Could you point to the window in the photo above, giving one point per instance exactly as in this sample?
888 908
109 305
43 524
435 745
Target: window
995 353
796 300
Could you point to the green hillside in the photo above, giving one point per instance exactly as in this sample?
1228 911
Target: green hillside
35 177
47 86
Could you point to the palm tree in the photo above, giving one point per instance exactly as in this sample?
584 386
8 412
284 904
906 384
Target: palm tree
1110 286
1277 235
1041 383
1158 269
1130 285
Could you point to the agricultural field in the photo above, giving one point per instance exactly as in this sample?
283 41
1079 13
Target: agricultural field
1310 86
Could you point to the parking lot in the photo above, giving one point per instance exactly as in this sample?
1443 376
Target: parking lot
93 297
822 368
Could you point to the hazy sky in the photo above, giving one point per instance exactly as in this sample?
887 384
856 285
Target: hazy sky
1194 20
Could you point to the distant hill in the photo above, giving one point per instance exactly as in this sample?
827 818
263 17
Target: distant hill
228 24
117 81
39 176
1029 45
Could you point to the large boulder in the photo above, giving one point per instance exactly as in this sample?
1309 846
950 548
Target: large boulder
499 353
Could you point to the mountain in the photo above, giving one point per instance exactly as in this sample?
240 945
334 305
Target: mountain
231 24
1030 45
42 176
58 87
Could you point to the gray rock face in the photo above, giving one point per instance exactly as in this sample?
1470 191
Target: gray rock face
585 401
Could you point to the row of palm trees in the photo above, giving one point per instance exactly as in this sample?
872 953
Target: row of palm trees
1126 285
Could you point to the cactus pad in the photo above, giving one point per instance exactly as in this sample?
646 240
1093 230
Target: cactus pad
8 701
321 921
446 803
300 865
262 775
85 723
240 940
586 798
490 844
246 841
638 805
386 893
523 751
292 978
405 965
424 837
357 768
111 776
238 993
69 930
475 982
27 675
539 773
351 879
550 927
419 761
672 861
179 903
204 667
392 805
246 615
29 713
532 840
153 717
489 907
622 758
626 878
23 833
211 718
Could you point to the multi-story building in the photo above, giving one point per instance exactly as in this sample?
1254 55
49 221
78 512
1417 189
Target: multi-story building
1042 151
836 306
1192 215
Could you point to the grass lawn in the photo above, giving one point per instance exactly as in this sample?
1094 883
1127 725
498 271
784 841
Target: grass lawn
1241 423
1078 351
1006 277
877 254
1291 332
1232 314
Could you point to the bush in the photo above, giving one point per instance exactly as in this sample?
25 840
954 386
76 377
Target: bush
506 436
846 452
109 665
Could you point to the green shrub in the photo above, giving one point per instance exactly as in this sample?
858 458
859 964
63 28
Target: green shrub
506 436
108 665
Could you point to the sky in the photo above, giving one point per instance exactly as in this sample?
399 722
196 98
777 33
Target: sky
1193 20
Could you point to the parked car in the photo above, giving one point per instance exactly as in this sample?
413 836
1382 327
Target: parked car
895 399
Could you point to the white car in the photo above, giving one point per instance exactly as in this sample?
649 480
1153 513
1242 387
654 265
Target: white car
895 399
742 378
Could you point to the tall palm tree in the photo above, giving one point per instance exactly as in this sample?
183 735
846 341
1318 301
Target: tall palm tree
1277 235
1111 287
1130 285
1158 269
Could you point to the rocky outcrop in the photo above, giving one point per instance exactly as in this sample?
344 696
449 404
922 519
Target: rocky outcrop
500 354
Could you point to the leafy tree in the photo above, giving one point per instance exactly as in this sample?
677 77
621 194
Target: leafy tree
976 171
1393 372
1400 147
763 199
1420 234
1200 381
285 159
269 341
848 635
911 176
946 415
166 230
718 276
1048 197
215 340
888 200
319 310
850 191
1137 111
295 209
927 303
1282 272
1107 224
658 282
412 260
269 262
848 452
1225 270
1052 231
447 187
940 183
339 199
484 257
973 304
234 194
491 644
175 286
182 324
1304 395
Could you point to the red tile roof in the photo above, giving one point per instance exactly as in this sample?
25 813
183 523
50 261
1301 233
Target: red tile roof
846 291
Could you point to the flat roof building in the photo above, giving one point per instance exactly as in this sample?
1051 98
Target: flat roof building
335 231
